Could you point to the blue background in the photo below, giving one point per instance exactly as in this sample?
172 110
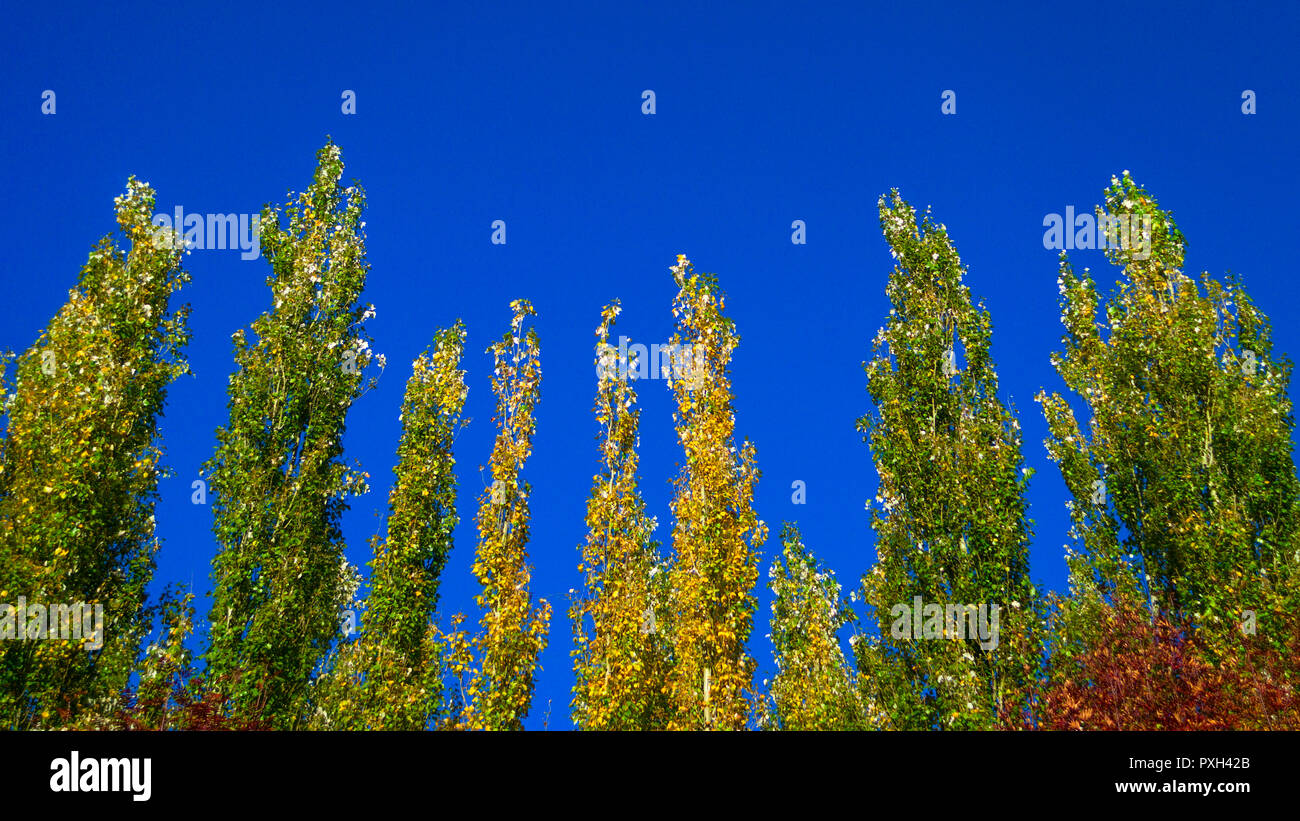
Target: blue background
766 113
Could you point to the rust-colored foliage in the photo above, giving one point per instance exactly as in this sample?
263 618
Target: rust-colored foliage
188 704
170 694
1141 672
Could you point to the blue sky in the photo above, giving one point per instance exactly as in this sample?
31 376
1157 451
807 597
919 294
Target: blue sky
765 113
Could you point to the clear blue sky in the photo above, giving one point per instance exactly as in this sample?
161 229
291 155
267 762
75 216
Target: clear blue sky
766 113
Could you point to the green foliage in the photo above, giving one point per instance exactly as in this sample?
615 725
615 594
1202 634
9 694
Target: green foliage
814 687
80 467
950 522
1189 436
391 677
280 579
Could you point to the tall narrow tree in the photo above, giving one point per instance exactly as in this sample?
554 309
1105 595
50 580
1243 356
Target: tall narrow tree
281 486
950 524
1184 488
390 677
621 658
716 532
79 473
496 670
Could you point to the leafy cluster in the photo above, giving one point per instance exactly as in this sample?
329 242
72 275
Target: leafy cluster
1147 672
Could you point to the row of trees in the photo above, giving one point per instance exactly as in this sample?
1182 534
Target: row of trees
1184 508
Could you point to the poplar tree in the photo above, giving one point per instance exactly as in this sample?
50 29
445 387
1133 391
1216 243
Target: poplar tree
621 657
950 519
280 579
390 678
495 671
814 687
79 473
1183 486
716 532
